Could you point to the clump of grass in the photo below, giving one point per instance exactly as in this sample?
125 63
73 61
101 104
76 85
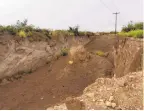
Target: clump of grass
22 34
100 53
64 51
133 33
29 34
123 34
29 71
136 33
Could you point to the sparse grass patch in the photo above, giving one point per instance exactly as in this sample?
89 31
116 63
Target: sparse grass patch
22 34
64 51
24 30
29 71
29 34
100 53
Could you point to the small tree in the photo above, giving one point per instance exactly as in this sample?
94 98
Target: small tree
138 25
131 26
74 30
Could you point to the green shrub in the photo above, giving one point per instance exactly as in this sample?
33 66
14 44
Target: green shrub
29 34
47 33
29 28
100 53
139 26
56 34
136 34
2 28
74 30
22 34
123 34
131 26
133 33
11 29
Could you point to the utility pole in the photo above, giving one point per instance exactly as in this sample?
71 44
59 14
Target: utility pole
116 22
117 39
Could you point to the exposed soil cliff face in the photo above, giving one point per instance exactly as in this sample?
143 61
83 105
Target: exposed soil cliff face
128 56
81 85
124 91
25 56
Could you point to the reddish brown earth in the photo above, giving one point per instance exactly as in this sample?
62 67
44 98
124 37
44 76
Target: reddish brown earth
42 88
52 84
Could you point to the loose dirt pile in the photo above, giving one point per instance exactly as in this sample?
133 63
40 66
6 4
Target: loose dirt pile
125 93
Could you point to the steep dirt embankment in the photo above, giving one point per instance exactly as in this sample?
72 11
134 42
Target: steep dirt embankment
52 84
59 82
17 57
125 92
128 57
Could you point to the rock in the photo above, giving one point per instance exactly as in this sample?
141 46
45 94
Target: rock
101 103
130 78
106 54
61 107
70 62
111 98
108 104
41 98
75 104
93 100
121 83
101 100
113 105
133 86
48 49
108 89
4 81
91 95
58 107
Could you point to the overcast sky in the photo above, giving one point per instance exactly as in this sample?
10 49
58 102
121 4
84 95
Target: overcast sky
92 15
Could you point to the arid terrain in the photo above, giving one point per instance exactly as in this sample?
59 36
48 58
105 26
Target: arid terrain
104 73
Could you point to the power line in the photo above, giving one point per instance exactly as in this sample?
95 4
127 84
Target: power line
113 13
106 6
115 6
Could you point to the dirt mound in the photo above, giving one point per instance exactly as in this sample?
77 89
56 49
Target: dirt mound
117 93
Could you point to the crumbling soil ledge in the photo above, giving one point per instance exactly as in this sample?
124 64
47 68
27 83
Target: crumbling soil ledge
125 93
